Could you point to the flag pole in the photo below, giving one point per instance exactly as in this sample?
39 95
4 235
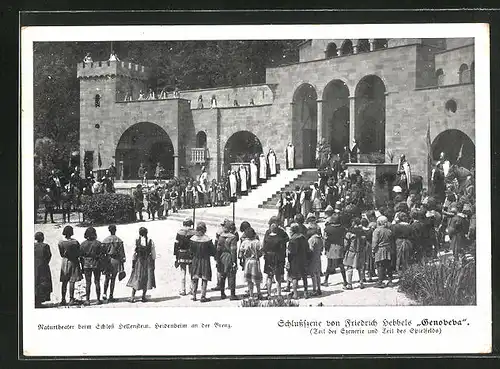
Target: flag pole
194 212
234 211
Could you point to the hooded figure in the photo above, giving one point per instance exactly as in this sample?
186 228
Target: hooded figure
271 159
232 185
254 181
262 167
404 172
243 179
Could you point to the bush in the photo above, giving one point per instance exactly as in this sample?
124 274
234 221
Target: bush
441 283
273 302
108 208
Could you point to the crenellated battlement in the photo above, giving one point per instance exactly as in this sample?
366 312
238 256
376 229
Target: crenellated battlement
112 68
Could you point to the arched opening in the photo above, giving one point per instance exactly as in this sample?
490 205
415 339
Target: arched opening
456 145
363 46
304 126
370 115
464 74
380 43
145 143
201 139
439 77
347 47
336 115
241 147
331 50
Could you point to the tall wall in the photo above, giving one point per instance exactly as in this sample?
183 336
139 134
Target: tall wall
409 113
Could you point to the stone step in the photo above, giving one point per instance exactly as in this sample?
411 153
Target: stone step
304 179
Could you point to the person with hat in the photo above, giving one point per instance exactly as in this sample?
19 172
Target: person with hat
226 259
298 248
142 276
314 258
381 249
43 277
355 246
69 249
334 248
274 250
138 196
457 229
113 259
219 231
202 248
252 251
91 254
182 251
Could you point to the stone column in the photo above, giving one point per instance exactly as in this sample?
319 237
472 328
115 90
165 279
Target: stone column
372 44
176 165
352 119
320 120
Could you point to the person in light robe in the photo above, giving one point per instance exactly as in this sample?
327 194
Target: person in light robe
262 168
232 184
254 181
243 179
203 179
271 159
113 57
88 58
404 172
290 156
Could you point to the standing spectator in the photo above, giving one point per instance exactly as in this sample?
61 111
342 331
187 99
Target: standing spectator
381 248
143 266
252 251
159 172
66 204
69 249
189 195
48 203
182 251
226 257
174 199
457 229
90 258
314 267
138 201
317 199
367 229
167 203
114 258
142 173
334 248
154 202
305 200
202 248
43 277
402 234
297 257
274 249
355 253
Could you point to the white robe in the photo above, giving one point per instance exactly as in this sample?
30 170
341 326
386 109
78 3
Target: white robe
290 157
203 181
263 167
446 167
243 178
272 163
232 185
253 175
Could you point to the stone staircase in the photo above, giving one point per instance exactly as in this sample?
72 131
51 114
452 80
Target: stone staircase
304 178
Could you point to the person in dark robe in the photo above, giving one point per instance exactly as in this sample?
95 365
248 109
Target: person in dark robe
138 201
182 251
297 258
382 250
43 277
290 156
457 229
69 249
402 233
114 260
112 172
90 257
323 153
355 253
354 153
202 248
334 247
142 276
346 155
49 204
226 257
274 249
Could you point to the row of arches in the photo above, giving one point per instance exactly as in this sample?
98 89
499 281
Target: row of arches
149 144
465 74
361 46
366 125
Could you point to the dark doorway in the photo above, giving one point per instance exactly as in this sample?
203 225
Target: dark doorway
305 123
454 143
336 115
241 147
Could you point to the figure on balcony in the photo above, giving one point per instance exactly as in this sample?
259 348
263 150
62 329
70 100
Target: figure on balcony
253 174
346 155
88 58
290 156
151 94
200 102
271 159
213 102
113 56
354 154
163 93
141 95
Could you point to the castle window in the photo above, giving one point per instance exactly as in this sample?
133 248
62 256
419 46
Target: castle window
331 50
451 106
97 100
439 77
464 74
347 47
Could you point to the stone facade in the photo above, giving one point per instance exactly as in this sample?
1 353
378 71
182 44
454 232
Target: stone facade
410 98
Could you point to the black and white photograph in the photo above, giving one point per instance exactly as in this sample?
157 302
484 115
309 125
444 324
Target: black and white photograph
328 172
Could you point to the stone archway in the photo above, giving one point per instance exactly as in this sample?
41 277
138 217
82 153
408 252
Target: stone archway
304 125
336 115
370 115
241 147
146 143
455 143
